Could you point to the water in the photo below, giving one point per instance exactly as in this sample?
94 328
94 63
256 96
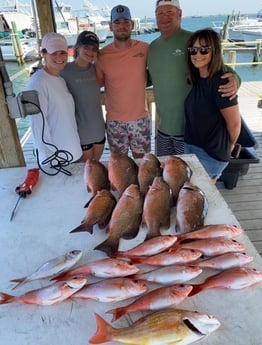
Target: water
247 72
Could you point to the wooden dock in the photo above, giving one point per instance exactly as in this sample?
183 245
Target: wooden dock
246 199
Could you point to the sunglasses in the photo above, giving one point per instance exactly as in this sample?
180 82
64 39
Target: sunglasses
203 50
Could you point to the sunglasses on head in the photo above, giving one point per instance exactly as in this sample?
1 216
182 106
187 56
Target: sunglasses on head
203 50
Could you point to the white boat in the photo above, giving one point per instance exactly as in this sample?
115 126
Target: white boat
24 24
70 23
241 28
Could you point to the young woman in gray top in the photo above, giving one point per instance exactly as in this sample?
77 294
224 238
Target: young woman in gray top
81 80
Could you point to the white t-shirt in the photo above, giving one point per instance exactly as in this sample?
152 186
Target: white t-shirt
57 106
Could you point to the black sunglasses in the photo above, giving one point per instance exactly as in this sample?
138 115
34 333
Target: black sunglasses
203 50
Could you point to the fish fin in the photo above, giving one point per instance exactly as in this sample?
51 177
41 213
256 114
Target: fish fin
83 227
196 289
103 331
18 281
107 247
117 313
87 204
5 298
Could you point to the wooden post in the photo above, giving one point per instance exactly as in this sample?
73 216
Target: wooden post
46 16
232 58
19 53
11 154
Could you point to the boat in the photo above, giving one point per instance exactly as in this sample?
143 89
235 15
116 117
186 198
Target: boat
17 29
70 23
241 28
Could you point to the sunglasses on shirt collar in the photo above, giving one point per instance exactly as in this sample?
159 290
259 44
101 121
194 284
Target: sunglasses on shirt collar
203 50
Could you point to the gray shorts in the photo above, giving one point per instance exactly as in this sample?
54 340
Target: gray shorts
133 135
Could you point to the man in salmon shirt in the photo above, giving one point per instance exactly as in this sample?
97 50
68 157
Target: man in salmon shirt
121 69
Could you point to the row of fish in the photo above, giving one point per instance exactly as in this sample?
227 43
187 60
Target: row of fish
146 192
130 282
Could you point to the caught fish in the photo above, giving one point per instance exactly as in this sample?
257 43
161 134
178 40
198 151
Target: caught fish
159 328
103 268
213 230
176 172
122 171
213 246
225 261
99 211
149 168
52 267
112 290
95 176
163 297
234 278
173 274
156 209
169 257
48 295
150 247
191 208
125 219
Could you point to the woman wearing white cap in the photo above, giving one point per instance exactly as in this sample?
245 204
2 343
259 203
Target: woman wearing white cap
80 77
54 129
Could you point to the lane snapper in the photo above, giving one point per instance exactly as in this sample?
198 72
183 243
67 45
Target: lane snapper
214 246
169 257
149 247
48 295
163 297
225 261
103 268
173 274
160 328
112 290
212 230
234 278
52 267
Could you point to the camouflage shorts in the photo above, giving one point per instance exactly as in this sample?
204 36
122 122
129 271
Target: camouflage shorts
133 135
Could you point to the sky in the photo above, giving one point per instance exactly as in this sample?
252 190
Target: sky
146 8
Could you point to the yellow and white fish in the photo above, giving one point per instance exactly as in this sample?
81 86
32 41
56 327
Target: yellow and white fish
160 328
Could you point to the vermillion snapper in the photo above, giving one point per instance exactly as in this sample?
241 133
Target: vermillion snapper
149 167
173 274
212 230
160 328
225 261
122 171
48 295
95 176
99 211
103 268
191 208
156 209
125 220
213 246
175 172
235 278
52 267
169 257
163 297
111 290
152 246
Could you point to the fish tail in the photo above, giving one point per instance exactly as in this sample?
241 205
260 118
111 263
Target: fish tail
103 331
5 298
196 289
18 281
107 247
117 313
83 227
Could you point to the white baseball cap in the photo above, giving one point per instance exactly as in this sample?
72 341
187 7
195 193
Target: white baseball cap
168 2
53 42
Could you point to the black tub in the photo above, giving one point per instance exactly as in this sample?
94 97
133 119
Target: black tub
239 166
